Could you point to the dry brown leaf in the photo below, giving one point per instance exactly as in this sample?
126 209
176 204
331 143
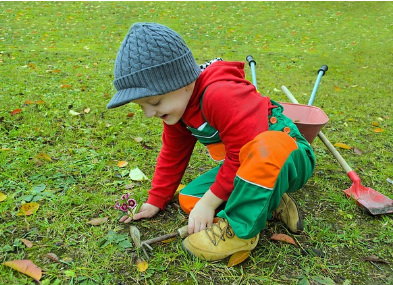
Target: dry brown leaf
122 163
28 209
379 130
238 257
374 258
142 265
342 145
26 267
87 110
284 238
26 242
97 221
357 151
16 111
129 186
52 257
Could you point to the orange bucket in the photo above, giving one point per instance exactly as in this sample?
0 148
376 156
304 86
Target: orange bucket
309 119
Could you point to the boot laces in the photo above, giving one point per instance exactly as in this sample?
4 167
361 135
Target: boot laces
218 231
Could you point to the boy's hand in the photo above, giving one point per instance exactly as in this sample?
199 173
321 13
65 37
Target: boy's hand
203 213
146 211
200 217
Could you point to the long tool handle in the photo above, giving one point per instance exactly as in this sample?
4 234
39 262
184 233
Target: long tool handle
328 144
334 151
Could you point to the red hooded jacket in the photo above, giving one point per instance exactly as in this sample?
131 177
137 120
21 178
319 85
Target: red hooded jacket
232 106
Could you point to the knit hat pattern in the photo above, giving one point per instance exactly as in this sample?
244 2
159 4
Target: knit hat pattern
152 60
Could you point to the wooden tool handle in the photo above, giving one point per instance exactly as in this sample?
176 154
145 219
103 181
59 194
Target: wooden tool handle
183 231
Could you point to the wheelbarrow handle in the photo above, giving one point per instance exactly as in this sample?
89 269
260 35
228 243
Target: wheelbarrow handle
324 68
252 64
250 60
321 72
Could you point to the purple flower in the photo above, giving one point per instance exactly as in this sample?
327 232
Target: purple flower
124 207
125 196
117 205
131 203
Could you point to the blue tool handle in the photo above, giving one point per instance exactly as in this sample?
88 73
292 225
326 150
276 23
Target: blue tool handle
321 72
252 64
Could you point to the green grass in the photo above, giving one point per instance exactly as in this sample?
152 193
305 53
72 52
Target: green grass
47 46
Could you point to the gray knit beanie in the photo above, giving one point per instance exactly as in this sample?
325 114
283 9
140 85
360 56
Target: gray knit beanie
152 60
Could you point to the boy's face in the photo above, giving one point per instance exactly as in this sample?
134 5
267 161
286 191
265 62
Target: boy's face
169 107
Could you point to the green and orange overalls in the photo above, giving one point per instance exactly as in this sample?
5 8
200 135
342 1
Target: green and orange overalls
276 161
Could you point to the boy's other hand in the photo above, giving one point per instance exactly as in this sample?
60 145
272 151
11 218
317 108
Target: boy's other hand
201 217
146 211
203 213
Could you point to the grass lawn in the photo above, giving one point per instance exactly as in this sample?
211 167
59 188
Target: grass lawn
60 147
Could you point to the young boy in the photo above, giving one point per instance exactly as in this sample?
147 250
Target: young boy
262 155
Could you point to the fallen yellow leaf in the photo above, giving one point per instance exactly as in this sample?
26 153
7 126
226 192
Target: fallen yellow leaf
122 163
379 130
142 265
342 145
238 257
176 195
2 197
28 209
169 240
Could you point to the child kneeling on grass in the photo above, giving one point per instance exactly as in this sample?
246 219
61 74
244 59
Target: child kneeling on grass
262 155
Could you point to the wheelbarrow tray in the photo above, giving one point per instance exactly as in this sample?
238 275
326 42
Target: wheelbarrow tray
309 119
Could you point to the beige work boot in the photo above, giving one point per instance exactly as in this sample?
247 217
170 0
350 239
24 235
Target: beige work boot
217 242
288 212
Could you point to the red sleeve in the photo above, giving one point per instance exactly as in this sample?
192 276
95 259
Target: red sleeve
177 147
239 114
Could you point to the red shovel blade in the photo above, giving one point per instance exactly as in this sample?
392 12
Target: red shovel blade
373 201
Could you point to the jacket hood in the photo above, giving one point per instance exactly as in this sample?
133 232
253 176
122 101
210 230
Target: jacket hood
218 71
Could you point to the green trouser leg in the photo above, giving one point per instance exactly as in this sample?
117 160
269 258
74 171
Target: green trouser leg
250 206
